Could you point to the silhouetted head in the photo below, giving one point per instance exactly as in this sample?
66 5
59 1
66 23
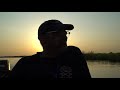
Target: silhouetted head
52 33
53 26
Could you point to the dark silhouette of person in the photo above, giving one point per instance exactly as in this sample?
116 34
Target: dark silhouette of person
57 60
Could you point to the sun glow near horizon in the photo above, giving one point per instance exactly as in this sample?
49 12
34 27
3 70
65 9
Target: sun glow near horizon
33 42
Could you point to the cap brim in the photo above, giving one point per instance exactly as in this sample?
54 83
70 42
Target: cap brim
68 26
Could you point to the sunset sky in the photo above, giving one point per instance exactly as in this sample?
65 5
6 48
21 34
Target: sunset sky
94 31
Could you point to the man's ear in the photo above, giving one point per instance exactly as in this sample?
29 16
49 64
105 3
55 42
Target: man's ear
38 37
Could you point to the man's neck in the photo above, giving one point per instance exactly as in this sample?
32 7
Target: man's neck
53 52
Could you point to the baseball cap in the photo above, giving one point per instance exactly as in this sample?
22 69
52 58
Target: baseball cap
53 25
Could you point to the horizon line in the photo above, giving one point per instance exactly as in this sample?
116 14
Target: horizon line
83 53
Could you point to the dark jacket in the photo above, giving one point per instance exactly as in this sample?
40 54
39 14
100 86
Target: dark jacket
70 64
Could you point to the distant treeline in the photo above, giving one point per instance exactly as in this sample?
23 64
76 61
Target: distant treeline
115 57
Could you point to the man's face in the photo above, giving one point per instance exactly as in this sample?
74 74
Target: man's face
54 39
59 39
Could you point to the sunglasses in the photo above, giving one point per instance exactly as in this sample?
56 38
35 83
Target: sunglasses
67 32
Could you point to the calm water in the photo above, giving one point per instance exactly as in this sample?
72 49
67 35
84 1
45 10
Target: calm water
98 69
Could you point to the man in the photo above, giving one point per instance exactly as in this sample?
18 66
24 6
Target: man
57 59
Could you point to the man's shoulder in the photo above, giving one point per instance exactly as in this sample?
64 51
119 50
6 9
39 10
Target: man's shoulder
30 57
24 59
74 49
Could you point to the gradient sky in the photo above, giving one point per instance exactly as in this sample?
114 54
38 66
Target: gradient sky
94 31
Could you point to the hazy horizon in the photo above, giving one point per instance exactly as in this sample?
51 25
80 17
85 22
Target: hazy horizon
94 31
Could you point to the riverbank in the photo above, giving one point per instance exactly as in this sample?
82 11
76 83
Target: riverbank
114 57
